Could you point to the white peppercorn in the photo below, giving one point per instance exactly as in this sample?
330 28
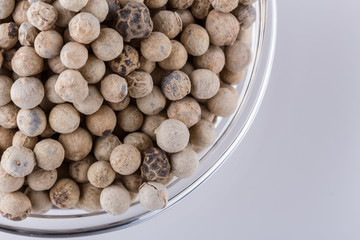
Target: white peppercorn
92 102
130 119
202 134
49 154
186 17
64 15
176 86
168 22
6 136
108 45
140 84
206 114
114 88
78 170
232 78
223 28
40 201
18 161
71 86
120 105
246 15
224 103
84 28
204 83
151 123
177 58
19 13
98 8
8 115
156 47
15 206
186 110
238 56
48 44
8 35
26 62
5 86
132 182
213 59
31 122
125 159
72 5
27 92
115 199
153 195
139 140
152 103
188 68
102 122
6 8
42 15
77 144
89 198
224 6
65 193
100 174
41 180
172 135
48 132
126 62
27 34
200 8
9 183
104 146
64 118
184 163
73 55
195 39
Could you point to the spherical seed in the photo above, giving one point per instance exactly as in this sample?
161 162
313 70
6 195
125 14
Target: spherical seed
26 62
115 199
31 122
64 118
184 163
156 47
213 59
153 195
49 154
15 206
8 35
77 144
42 15
176 85
27 92
126 62
41 180
5 86
177 58
195 39
140 84
114 88
48 44
40 201
20 139
172 135
98 8
130 119
9 183
89 198
6 8
186 110
108 45
78 170
204 83
71 86
72 5
74 55
18 161
224 103
102 122
8 115
153 103
100 174
84 28
65 193
125 159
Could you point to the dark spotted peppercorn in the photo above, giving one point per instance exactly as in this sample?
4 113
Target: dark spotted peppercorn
133 21
156 165
127 62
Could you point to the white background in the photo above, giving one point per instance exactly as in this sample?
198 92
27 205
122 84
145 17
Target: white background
296 175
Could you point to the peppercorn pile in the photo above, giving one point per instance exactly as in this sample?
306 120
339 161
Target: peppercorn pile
102 101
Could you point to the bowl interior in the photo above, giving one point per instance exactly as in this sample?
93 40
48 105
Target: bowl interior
230 131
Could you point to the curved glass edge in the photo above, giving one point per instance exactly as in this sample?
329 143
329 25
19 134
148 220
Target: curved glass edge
266 59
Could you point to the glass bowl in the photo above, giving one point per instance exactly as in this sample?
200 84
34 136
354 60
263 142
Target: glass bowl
74 222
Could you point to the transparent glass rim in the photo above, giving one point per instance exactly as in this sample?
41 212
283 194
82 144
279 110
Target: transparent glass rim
236 129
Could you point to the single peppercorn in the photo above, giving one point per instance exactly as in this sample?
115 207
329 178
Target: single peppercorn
125 159
134 21
177 58
102 122
195 39
26 62
8 35
186 110
42 15
155 165
15 206
31 122
130 119
152 103
84 28
77 144
100 174
153 195
126 62
140 84
65 193
49 154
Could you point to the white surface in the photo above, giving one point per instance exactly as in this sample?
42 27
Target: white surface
297 173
